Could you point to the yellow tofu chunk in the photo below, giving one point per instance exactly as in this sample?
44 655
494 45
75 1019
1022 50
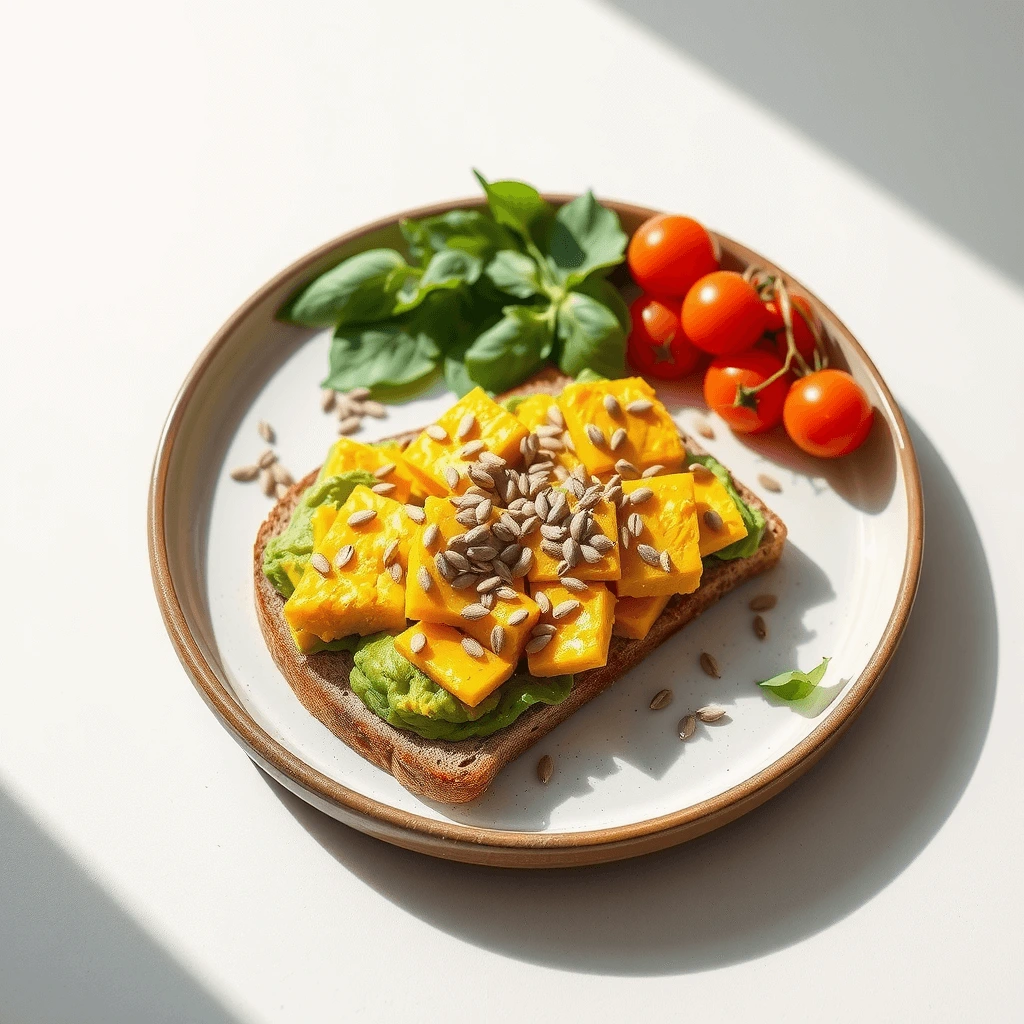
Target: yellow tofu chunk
651 435
532 412
443 604
500 431
710 495
346 454
634 616
545 565
669 519
444 660
582 635
361 597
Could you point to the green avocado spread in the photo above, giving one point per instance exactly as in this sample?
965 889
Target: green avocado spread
752 518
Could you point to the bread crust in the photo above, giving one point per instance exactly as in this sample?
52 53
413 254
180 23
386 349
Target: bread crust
459 771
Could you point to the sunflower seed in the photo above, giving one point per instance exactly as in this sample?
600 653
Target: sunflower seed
712 519
466 425
661 699
562 568
543 602
503 533
327 399
396 572
457 560
267 459
483 510
618 438
451 477
518 616
492 461
710 712
386 470
267 484
555 416
389 553
522 566
640 495
538 643
467 517
502 569
463 580
651 471
545 767
530 525
468 500
665 561
472 647
635 524
611 405
760 628
482 552
541 504
552 444
506 593
571 551
769 483
437 432
613 495
358 394
374 409
415 513
567 440
571 583
596 435
423 578
700 472
510 524
624 466
564 608
763 603
417 642
537 484
558 507
650 555
550 532
639 405
349 425
470 449
479 533
343 408
280 490
578 525
551 548
364 515
590 554
266 431
601 543
625 537
497 639
710 665
577 489
480 476
245 473
473 611
430 533
488 584
687 726
511 487
383 487
320 563
705 430
509 554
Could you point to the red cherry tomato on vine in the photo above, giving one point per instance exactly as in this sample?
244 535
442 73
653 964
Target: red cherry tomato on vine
802 334
827 414
668 253
725 378
723 314
657 346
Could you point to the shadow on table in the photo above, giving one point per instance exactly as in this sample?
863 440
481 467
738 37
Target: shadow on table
69 953
811 856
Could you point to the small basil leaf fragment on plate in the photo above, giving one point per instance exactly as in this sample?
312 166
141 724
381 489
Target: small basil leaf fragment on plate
515 274
590 336
360 288
512 349
584 237
795 685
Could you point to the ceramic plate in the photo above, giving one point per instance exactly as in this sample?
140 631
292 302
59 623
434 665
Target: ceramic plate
624 784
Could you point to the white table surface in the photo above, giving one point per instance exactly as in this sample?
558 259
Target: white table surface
167 159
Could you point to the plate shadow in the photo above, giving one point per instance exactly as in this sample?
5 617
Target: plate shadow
859 818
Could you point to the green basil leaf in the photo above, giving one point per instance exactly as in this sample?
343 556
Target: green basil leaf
518 206
359 289
795 685
515 274
448 270
468 230
589 376
515 347
585 237
590 336
605 292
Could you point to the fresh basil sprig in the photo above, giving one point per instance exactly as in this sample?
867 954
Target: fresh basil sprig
486 297
795 685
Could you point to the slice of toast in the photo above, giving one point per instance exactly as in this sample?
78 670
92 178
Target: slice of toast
456 772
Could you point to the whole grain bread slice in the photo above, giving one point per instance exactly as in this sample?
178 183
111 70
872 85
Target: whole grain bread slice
457 772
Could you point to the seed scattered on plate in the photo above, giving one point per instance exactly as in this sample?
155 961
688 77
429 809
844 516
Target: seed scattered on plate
320 563
245 473
661 699
364 515
710 713
760 628
358 394
596 435
417 642
710 665
267 484
437 432
281 475
497 639
384 487
639 405
769 483
327 399
267 459
712 519
472 647
545 768
687 726
417 515
266 431
349 425
763 603
538 643
705 429
374 409
519 615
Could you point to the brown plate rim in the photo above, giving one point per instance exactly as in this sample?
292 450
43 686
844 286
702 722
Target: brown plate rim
456 841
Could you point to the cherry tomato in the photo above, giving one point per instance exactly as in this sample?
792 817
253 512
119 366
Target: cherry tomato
723 314
827 414
802 334
727 374
668 253
657 345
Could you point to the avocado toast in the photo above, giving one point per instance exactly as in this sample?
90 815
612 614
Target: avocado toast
445 703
